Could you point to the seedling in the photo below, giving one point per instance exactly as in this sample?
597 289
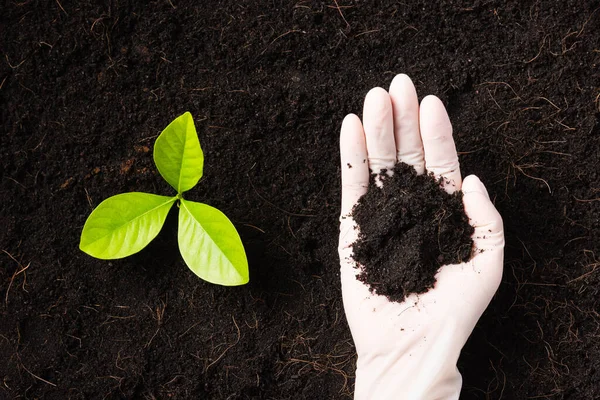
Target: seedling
124 224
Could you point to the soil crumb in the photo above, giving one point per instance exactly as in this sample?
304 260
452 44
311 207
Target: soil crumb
409 228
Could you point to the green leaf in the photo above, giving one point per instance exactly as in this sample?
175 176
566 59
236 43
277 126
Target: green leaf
177 154
124 224
210 245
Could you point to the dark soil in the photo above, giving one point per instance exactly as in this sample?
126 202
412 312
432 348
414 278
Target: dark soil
85 88
409 227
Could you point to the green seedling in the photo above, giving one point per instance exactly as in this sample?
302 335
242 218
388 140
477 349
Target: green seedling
124 224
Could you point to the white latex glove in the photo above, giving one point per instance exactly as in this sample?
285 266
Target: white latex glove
409 350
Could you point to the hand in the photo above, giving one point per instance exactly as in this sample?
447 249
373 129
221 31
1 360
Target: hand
409 350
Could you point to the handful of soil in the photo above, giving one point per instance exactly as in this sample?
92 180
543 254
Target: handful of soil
409 228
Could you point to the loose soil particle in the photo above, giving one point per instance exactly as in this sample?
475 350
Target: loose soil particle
409 227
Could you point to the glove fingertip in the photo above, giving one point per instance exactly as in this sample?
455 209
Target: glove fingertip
472 183
478 206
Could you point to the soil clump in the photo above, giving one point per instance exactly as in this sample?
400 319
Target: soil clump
409 228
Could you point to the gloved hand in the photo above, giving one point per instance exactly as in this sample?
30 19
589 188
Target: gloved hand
409 350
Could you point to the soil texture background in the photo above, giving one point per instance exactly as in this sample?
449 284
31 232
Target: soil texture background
86 87
409 227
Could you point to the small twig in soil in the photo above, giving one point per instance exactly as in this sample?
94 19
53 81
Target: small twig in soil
15 181
574 239
367 32
95 22
255 227
35 376
498 380
544 98
61 7
594 265
520 168
189 329
337 7
229 347
76 338
152 338
17 272
290 228
255 326
462 153
586 200
89 199
586 22
502 83
494 100
539 52
279 37
13 66
322 368
529 254
40 143
596 100
114 318
158 314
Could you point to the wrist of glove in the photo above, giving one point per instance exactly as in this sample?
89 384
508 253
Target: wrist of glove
421 368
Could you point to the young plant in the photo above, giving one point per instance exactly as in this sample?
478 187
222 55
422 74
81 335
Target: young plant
124 224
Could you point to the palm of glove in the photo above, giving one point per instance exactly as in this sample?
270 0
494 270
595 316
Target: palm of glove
409 349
